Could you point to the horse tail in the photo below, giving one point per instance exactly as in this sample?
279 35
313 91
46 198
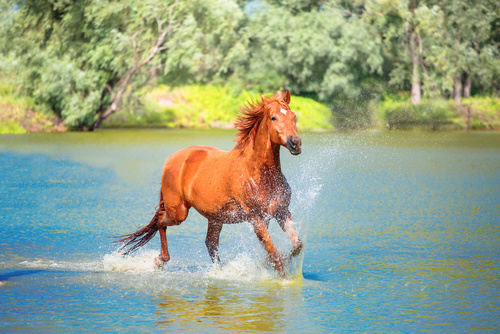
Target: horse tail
142 236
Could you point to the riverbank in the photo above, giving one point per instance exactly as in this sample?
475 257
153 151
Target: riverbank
208 106
475 113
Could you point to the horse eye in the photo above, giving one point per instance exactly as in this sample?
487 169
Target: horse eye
273 118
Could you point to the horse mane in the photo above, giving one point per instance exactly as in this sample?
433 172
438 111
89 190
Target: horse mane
247 122
251 114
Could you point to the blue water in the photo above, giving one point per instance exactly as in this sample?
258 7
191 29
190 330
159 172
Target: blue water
401 232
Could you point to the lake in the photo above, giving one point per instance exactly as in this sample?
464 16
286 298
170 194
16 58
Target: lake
401 234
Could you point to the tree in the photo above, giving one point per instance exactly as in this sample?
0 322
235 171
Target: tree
468 44
450 44
415 47
143 54
82 58
404 25
320 48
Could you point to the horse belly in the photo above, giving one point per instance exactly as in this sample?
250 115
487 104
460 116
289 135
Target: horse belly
212 198
227 213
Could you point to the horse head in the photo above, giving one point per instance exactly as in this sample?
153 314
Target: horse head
281 122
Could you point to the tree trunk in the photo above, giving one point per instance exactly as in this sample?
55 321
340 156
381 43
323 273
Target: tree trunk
468 84
457 80
416 86
415 80
116 99
457 90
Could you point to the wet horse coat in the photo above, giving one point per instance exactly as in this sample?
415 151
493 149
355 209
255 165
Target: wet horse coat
228 187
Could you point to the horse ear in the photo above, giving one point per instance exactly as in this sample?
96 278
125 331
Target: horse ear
262 98
287 97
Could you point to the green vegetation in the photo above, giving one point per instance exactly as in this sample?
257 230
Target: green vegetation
87 62
206 106
311 115
485 113
397 112
19 114
401 115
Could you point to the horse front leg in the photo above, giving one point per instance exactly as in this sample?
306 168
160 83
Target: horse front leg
275 257
212 240
288 226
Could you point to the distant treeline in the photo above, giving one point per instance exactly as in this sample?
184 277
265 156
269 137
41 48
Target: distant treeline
84 61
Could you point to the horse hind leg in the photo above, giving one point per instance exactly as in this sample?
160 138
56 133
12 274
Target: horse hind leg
212 240
175 217
164 255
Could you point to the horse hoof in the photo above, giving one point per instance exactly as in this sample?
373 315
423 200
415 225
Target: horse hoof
159 262
297 249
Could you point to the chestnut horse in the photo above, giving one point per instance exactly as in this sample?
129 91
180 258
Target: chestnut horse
243 184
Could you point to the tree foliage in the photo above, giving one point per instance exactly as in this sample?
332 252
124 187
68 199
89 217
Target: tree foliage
81 58
84 59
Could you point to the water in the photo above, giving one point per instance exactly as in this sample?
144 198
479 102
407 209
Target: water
401 234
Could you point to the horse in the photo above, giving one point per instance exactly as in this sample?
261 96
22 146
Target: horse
229 187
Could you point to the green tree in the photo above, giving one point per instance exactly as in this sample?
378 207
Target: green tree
447 44
468 45
82 58
402 24
324 49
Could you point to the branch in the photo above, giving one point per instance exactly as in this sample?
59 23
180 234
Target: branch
163 35
134 44
124 82
158 22
110 90
164 48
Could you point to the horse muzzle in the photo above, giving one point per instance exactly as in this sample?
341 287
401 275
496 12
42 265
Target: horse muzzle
294 144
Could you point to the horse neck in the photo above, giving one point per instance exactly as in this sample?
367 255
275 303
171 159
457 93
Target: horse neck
259 151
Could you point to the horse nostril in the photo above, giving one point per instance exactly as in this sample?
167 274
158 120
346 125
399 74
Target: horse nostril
296 141
293 144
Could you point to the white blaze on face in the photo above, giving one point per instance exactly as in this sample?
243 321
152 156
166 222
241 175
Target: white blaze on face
283 111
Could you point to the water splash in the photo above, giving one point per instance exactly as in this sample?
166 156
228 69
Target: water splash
63 265
243 267
142 261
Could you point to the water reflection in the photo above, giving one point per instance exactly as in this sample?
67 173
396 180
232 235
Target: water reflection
235 307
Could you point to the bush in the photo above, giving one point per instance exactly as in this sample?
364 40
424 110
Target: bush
19 114
353 115
402 115
485 112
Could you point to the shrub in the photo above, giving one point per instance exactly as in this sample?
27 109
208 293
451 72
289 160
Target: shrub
19 114
485 112
402 115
